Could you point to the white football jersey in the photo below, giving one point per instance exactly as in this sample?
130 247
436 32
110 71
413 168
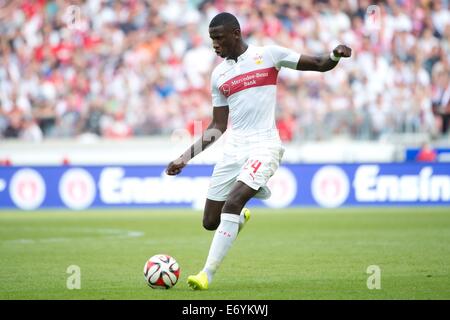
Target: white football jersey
248 86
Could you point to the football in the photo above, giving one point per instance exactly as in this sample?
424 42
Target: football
161 271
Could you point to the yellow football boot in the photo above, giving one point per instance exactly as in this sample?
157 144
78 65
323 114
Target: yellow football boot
198 281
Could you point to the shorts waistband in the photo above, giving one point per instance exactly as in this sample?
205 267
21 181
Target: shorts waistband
255 136
253 133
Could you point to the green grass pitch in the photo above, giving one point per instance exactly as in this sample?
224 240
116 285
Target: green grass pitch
280 254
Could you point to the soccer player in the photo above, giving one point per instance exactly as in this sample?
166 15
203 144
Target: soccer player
243 88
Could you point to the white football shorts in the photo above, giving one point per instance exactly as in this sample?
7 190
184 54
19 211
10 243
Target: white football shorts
252 159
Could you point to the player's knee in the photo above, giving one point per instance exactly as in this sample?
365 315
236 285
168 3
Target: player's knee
210 224
234 204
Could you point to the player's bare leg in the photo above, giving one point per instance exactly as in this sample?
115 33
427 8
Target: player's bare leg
213 210
211 214
238 197
225 235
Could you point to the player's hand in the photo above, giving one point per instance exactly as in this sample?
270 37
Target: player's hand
342 51
175 167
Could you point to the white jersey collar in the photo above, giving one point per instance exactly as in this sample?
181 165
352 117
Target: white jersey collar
243 56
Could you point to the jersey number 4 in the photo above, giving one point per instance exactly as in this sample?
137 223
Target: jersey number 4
254 164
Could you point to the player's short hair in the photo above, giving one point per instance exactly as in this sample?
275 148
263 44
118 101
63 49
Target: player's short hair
225 19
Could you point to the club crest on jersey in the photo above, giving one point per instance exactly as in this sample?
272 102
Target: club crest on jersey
258 58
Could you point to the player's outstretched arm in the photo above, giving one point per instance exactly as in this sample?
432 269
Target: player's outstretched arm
214 131
323 63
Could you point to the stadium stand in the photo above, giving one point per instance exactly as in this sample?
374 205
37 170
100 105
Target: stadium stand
120 69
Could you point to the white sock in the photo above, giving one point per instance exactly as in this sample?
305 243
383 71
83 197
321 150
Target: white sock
241 220
224 237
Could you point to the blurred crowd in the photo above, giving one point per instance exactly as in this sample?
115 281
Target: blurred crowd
119 69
